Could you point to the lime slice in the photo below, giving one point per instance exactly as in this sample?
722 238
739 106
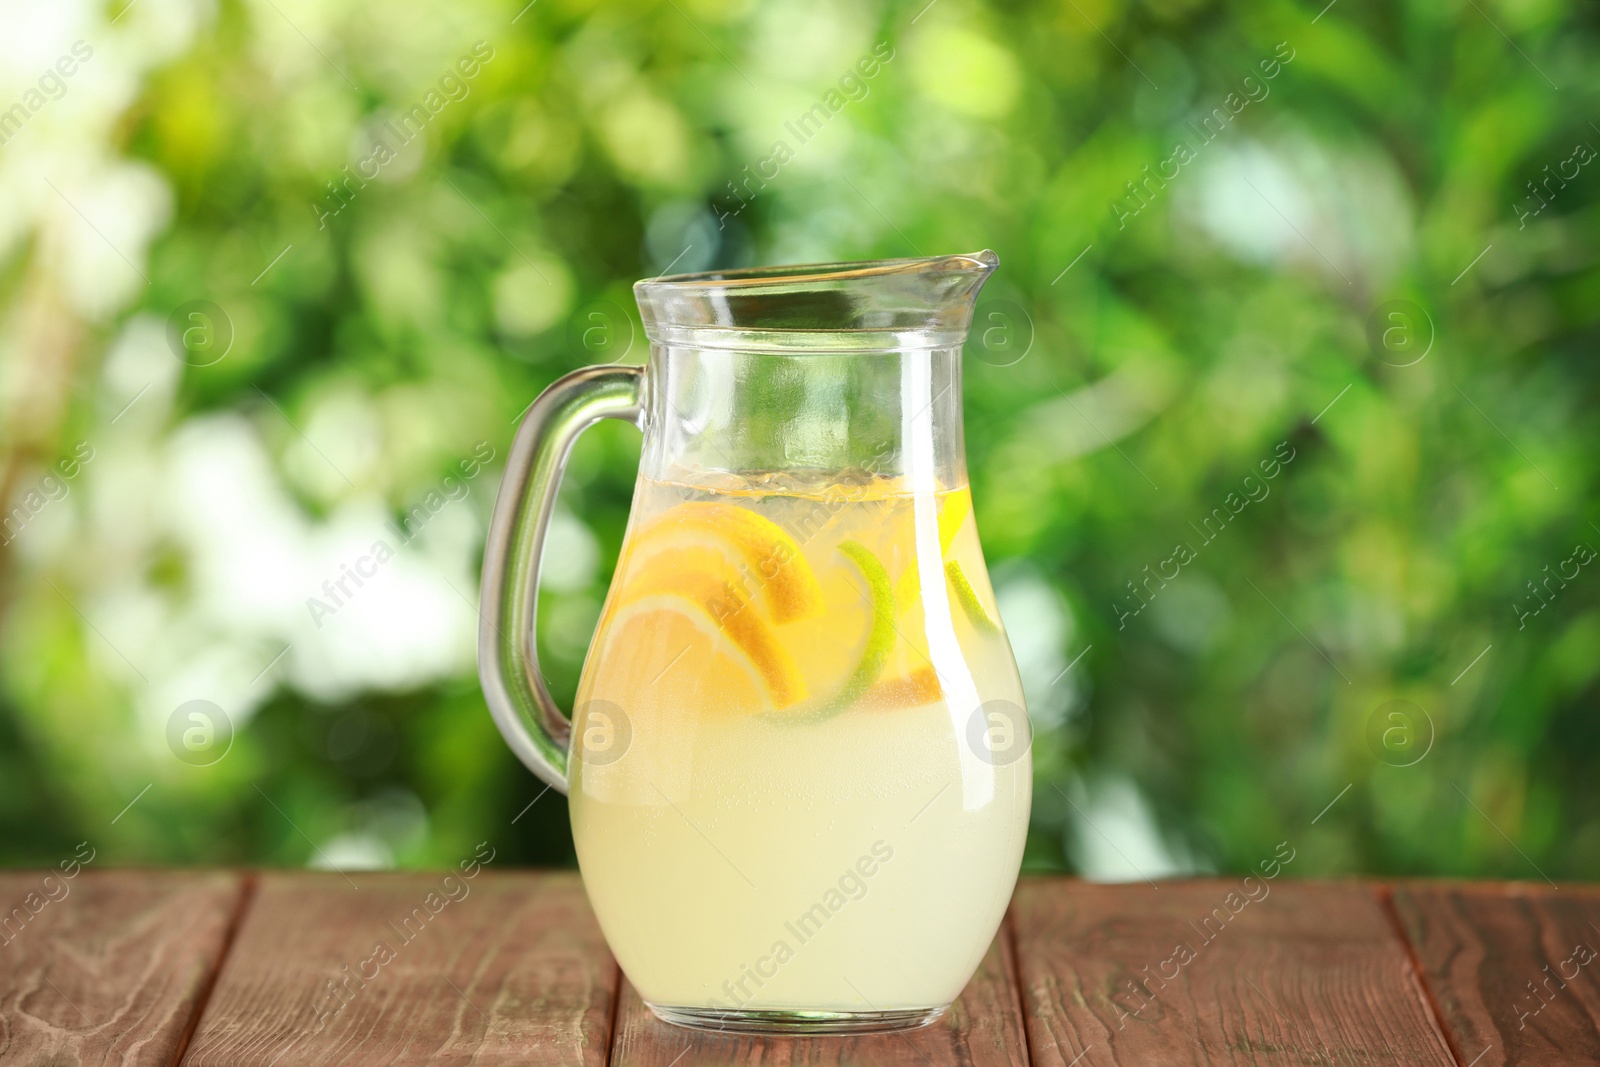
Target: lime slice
873 636
953 511
881 638
967 597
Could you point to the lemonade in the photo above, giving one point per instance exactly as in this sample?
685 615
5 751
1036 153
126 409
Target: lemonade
799 776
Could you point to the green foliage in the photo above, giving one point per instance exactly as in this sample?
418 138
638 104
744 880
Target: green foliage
1182 333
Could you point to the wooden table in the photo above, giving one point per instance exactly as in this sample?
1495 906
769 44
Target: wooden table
236 969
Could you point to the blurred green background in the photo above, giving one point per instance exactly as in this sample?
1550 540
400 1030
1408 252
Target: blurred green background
238 341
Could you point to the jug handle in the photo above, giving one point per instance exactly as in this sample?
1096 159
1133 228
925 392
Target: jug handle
508 655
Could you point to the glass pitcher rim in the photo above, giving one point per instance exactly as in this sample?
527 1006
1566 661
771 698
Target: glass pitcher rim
982 262
869 306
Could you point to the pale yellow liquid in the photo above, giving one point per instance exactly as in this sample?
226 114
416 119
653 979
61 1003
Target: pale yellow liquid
740 857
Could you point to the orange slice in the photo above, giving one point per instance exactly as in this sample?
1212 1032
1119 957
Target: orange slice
757 557
696 652
912 690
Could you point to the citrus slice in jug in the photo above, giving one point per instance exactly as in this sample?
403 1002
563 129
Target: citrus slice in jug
702 651
910 690
703 583
953 511
757 556
841 651
954 508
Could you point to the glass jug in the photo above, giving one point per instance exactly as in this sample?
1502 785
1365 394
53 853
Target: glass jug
798 766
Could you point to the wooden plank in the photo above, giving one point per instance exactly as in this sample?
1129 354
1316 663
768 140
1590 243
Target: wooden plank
108 966
1277 973
983 1027
413 969
1514 970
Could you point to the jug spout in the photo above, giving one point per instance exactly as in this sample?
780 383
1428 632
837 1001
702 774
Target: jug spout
916 303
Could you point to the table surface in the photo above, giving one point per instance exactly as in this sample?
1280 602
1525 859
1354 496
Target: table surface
226 967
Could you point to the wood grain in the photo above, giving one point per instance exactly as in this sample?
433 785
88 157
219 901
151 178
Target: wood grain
1303 974
1501 964
109 966
126 963
512 971
983 1027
